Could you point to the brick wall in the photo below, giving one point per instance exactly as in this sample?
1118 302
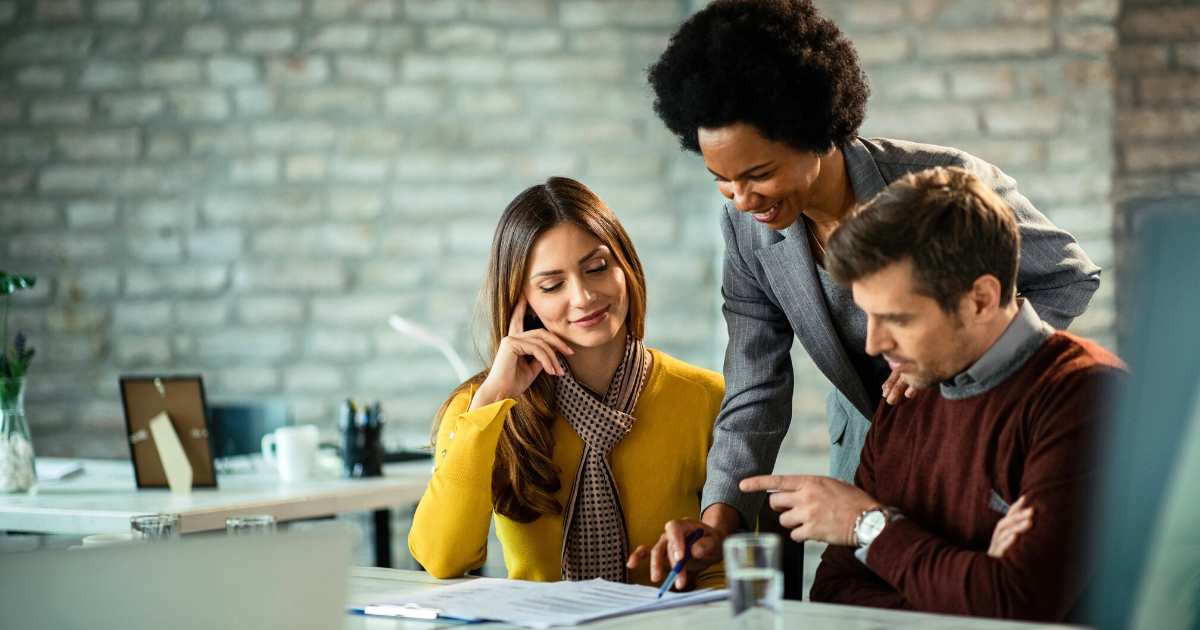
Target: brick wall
246 189
1157 124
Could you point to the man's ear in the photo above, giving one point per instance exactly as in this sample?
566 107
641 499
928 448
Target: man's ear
984 296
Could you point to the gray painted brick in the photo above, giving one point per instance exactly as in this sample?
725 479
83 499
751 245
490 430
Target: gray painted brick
341 241
63 248
100 145
188 280
597 13
268 40
271 310
314 379
132 106
22 215
253 102
469 38
298 70
214 244
305 167
265 10
347 101
25 147
153 247
171 71
98 179
67 43
364 69
291 276
235 208
117 10
259 169
41 76
91 214
72 109
382 9
170 10
359 169
10 109
533 42
394 38
199 105
200 314
468 69
105 75
338 37
142 350
205 37
287 136
339 345
246 379
411 100
355 204
142 315
93 282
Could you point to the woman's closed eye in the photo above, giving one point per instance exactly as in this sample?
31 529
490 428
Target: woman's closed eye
594 271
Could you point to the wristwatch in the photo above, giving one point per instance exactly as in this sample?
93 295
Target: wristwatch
870 523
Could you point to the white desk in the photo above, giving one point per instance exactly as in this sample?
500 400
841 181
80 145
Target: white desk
104 496
370 584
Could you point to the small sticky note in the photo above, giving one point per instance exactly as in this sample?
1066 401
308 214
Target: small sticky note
170 450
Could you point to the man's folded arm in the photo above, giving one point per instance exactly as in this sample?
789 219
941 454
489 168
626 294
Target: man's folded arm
842 579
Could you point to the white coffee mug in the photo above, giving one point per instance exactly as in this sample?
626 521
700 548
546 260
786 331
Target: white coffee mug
293 450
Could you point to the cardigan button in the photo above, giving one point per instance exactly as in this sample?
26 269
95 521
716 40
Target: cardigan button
443 452
433 470
451 435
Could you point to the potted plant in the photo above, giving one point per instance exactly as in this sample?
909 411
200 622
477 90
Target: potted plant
17 472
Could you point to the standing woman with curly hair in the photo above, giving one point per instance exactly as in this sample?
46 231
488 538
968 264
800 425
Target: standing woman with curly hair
772 96
578 440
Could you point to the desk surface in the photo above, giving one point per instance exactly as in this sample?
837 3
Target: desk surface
104 496
370 584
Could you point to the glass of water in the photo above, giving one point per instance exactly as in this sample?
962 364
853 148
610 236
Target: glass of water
154 527
250 525
755 580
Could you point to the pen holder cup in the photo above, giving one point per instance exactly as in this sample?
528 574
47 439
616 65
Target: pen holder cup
362 451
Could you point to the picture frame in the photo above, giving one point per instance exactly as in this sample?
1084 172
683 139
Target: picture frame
182 398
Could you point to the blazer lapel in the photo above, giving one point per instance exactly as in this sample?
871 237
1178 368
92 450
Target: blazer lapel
792 273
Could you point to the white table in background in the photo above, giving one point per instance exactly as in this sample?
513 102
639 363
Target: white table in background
103 497
371 585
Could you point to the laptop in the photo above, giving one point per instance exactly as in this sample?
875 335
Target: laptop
211 582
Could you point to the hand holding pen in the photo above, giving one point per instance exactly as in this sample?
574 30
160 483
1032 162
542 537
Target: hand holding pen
687 555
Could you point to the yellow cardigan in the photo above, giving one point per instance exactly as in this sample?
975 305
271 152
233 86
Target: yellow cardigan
659 468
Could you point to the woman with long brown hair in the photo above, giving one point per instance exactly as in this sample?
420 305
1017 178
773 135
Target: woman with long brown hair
578 440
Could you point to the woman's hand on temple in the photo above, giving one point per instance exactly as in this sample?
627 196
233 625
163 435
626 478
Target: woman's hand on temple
522 355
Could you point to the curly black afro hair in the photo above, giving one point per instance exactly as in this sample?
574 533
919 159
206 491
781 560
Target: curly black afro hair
773 64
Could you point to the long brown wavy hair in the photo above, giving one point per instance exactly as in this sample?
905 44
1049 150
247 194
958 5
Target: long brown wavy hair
525 478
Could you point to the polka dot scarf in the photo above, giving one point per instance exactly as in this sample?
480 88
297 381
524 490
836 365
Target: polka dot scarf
594 538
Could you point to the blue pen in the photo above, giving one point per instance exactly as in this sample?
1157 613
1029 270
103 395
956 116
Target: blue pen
687 555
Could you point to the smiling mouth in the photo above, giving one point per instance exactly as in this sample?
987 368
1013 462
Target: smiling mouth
895 364
768 215
592 319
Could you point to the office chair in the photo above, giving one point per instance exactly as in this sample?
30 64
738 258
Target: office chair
238 428
793 553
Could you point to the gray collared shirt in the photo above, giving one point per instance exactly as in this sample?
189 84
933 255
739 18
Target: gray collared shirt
1024 335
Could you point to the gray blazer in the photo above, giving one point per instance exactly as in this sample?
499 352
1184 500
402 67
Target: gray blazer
771 291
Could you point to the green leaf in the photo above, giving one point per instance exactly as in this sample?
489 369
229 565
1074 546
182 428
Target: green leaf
10 284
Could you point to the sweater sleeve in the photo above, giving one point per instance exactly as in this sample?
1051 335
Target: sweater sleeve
843 579
1040 576
450 527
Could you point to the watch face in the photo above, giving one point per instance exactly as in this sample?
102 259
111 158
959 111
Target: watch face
872 524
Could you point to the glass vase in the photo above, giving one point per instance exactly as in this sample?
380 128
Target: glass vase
17 473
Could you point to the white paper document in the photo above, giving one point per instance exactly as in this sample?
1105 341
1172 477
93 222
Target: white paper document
545 604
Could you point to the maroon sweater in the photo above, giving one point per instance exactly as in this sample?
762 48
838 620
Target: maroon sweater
941 461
